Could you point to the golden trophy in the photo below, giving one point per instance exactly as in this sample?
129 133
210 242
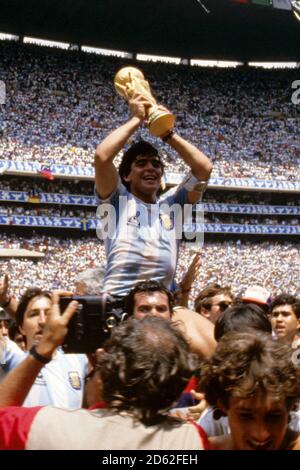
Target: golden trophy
130 80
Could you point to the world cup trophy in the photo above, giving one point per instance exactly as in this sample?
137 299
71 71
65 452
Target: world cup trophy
130 80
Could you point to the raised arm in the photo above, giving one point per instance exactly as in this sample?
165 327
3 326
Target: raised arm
198 162
188 280
16 385
106 175
7 302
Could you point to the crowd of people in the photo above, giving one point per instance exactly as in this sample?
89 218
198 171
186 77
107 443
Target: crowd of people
233 263
48 211
86 214
36 186
60 104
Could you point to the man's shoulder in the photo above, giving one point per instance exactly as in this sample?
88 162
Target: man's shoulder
70 360
120 190
10 354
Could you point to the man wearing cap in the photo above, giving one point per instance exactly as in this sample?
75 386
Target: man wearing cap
142 242
257 295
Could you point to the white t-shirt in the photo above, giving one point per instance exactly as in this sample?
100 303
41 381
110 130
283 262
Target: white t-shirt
60 383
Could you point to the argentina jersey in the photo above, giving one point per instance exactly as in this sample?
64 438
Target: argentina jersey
141 240
60 382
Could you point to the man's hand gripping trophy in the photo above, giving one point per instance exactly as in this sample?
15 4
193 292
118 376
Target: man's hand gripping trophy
130 81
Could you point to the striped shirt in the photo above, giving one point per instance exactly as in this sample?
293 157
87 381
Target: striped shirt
143 238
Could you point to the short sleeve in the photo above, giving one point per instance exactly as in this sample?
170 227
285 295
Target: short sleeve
15 425
119 191
179 194
11 355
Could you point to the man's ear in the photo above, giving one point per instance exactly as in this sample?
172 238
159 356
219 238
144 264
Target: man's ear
126 178
22 331
205 313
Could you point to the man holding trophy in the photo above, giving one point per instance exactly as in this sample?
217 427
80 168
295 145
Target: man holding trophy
143 243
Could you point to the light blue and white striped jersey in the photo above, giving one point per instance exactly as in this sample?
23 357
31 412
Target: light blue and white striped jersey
60 382
141 240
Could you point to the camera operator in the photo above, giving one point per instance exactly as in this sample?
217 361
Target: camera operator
138 392
61 382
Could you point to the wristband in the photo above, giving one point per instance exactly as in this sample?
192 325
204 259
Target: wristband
6 304
38 357
168 136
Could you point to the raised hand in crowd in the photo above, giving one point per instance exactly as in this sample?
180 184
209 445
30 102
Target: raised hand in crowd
194 412
7 302
188 279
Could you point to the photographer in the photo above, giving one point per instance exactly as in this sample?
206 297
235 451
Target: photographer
138 392
62 380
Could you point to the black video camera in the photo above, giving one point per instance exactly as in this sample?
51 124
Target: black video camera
92 323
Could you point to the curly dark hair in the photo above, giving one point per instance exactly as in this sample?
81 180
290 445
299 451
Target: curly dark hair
145 367
287 299
146 287
28 295
247 362
138 148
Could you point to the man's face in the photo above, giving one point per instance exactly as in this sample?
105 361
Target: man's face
145 175
4 325
257 423
213 307
34 320
151 303
20 341
284 322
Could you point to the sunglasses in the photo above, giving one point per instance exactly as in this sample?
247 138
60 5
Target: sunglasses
156 162
222 305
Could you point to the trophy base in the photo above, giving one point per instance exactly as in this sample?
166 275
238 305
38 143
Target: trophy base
160 123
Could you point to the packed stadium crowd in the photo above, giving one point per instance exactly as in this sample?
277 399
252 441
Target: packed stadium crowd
35 186
60 105
58 211
234 263
85 213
